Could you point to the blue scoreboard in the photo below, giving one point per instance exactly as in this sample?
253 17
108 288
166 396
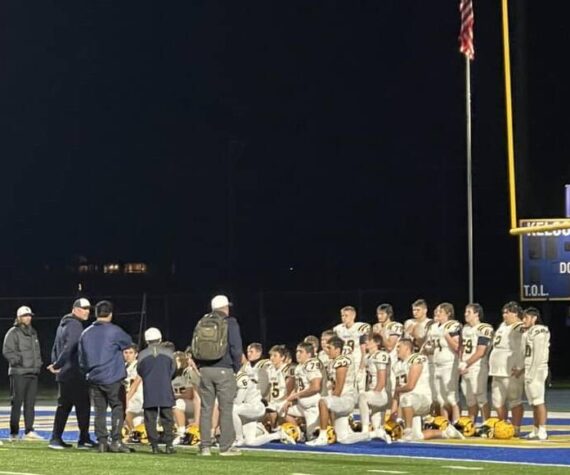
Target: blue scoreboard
545 261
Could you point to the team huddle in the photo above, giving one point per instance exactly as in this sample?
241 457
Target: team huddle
403 379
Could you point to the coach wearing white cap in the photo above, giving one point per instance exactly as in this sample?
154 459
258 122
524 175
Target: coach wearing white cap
22 351
72 386
218 358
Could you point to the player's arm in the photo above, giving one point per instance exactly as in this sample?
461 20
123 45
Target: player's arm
134 386
539 343
341 373
314 388
413 376
483 344
453 341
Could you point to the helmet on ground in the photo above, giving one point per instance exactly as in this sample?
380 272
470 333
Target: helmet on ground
504 430
466 426
139 435
192 435
292 430
486 430
437 422
393 429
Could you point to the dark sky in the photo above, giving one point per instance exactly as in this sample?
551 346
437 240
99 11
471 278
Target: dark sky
324 136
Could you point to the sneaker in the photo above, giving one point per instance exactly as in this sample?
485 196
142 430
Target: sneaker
532 435
231 452
119 448
318 442
542 434
13 437
58 444
239 443
86 444
286 438
178 440
33 435
382 435
451 432
204 451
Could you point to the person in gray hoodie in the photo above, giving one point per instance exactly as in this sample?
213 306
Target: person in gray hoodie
22 351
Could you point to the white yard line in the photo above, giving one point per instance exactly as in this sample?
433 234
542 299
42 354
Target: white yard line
460 467
386 471
18 473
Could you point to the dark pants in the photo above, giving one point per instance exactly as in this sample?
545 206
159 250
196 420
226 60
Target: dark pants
74 392
103 396
151 415
220 384
23 389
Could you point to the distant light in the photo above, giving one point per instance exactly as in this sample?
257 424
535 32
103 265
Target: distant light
111 268
291 269
135 268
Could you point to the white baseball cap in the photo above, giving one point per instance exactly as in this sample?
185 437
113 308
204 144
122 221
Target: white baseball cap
82 303
24 311
220 301
152 334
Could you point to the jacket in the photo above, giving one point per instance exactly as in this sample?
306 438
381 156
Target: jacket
234 353
22 350
65 353
156 367
101 348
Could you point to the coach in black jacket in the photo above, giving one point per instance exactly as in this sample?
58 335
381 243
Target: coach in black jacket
72 387
22 351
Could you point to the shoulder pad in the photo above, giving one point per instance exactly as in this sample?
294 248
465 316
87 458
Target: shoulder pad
416 358
313 363
264 363
452 326
363 327
519 327
382 357
341 361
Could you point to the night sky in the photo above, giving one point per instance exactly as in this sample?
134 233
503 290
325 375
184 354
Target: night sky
259 136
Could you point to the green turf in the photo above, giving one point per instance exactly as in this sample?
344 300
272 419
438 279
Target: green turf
36 458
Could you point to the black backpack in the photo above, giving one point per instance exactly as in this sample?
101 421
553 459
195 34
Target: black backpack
210 338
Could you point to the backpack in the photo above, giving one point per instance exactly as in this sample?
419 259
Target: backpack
210 338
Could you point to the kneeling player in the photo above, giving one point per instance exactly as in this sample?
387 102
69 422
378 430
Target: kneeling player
304 400
341 403
375 399
413 394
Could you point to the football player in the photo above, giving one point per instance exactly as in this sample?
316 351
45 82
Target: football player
417 327
536 344
352 333
341 403
506 361
280 383
323 355
304 400
375 399
413 394
476 339
134 405
187 406
444 340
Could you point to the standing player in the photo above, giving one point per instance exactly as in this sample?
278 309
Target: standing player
134 401
474 366
341 403
375 399
304 400
352 333
444 336
536 344
505 365
417 327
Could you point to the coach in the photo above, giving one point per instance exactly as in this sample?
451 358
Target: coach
71 384
218 382
101 348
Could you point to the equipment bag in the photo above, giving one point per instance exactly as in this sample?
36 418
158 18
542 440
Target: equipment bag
210 338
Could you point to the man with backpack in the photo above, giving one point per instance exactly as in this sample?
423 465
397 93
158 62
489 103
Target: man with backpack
217 350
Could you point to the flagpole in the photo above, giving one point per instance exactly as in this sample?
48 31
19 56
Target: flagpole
469 177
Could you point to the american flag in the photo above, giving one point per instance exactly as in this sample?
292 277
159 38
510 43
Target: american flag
466 33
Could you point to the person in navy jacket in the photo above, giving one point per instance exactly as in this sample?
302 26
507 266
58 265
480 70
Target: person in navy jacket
72 387
101 348
156 368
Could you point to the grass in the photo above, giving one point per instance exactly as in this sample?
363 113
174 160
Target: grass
36 458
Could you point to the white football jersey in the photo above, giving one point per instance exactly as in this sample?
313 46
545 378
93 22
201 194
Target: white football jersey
307 372
473 336
536 344
402 369
507 350
131 374
247 388
443 355
351 337
277 382
340 361
376 362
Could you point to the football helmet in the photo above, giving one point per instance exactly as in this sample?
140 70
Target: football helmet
486 430
465 426
437 422
139 435
393 429
331 435
192 435
504 430
292 430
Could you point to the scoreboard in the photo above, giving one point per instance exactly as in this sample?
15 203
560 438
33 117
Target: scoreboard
545 261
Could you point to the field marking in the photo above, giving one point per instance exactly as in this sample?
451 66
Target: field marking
386 471
421 457
460 467
18 473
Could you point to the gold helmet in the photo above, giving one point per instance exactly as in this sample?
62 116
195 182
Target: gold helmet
466 426
486 429
192 435
503 430
393 429
292 430
331 435
437 422
139 435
